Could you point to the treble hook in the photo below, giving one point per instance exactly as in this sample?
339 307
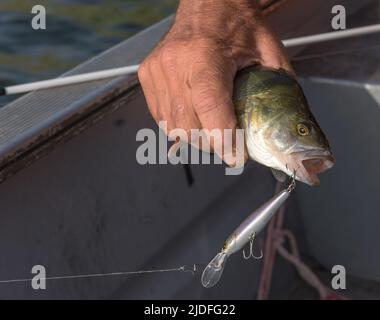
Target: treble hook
251 254
292 184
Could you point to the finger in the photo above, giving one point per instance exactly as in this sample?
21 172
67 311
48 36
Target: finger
183 115
147 86
276 55
156 93
212 101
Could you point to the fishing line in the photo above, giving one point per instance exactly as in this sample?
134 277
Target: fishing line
184 268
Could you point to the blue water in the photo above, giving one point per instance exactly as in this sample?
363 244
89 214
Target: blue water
76 31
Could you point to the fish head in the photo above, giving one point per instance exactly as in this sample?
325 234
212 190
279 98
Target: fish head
280 129
300 146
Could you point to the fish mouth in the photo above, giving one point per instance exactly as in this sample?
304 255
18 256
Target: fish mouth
309 165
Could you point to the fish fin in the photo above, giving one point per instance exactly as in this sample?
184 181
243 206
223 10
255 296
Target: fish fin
279 175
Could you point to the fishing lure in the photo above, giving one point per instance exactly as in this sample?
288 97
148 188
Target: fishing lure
244 233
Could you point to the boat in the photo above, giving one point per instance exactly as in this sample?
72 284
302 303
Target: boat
75 201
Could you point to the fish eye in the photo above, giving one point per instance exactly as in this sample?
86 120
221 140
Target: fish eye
303 129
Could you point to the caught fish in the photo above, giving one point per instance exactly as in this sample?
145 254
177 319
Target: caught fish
244 233
280 130
281 133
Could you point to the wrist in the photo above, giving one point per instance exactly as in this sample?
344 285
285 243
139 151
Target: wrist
216 18
251 4
187 8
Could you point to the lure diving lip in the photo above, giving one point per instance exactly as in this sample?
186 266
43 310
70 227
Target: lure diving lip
244 233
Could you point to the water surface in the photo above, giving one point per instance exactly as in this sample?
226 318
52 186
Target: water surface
76 31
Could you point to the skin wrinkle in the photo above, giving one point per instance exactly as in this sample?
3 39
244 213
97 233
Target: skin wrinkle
188 78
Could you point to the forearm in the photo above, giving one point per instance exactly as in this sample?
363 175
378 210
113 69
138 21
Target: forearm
200 5
218 18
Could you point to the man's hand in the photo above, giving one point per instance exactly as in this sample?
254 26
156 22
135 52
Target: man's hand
188 78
